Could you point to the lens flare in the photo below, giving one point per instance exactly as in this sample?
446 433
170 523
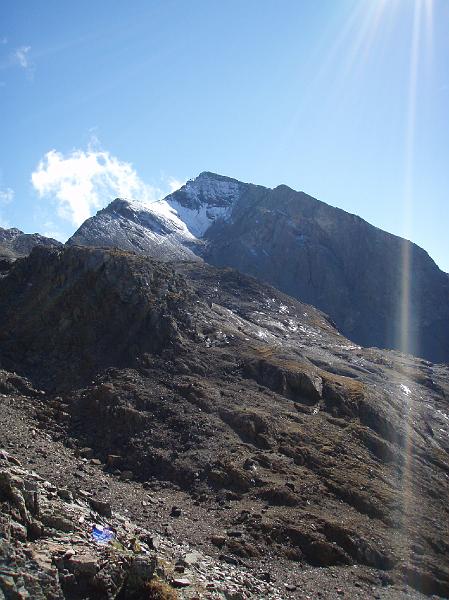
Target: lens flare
408 341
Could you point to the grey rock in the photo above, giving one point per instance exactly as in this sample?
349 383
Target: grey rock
86 452
101 506
181 582
192 558
83 564
141 570
14 243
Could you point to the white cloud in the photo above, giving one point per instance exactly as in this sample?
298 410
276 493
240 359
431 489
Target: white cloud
175 184
82 182
18 58
21 56
6 197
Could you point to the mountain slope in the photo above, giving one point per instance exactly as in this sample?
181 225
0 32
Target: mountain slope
155 231
306 248
169 229
341 264
295 446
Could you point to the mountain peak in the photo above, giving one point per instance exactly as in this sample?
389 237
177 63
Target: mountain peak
9 233
15 243
208 189
216 176
205 199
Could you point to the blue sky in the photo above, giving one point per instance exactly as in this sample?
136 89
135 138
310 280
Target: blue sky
347 100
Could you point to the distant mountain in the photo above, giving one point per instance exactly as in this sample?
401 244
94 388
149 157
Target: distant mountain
15 244
169 229
310 250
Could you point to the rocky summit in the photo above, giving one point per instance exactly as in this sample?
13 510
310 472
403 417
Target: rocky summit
175 429
314 252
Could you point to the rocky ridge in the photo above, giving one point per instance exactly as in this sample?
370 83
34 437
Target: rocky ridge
14 243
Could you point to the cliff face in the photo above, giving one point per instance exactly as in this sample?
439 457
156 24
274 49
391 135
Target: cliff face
67 313
341 264
306 248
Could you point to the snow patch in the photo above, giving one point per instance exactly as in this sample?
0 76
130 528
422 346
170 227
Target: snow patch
209 199
198 221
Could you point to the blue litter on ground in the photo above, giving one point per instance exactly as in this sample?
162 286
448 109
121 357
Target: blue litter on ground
102 535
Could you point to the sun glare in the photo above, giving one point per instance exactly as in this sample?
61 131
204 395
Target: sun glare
420 49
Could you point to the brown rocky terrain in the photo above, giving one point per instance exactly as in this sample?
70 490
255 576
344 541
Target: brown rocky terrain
221 413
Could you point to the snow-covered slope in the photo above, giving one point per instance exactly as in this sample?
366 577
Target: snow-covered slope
204 200
128 225
168 229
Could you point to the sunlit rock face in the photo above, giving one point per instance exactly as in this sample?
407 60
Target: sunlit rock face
169 229
153 230
315 252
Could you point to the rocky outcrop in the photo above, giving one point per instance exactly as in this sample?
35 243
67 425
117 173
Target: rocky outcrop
52 546
66 314
14 243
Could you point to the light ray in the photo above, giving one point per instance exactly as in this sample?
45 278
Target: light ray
347 57
405 342
408 341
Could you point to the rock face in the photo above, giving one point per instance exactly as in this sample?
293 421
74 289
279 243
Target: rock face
14 243
323 453
307 249
82 310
